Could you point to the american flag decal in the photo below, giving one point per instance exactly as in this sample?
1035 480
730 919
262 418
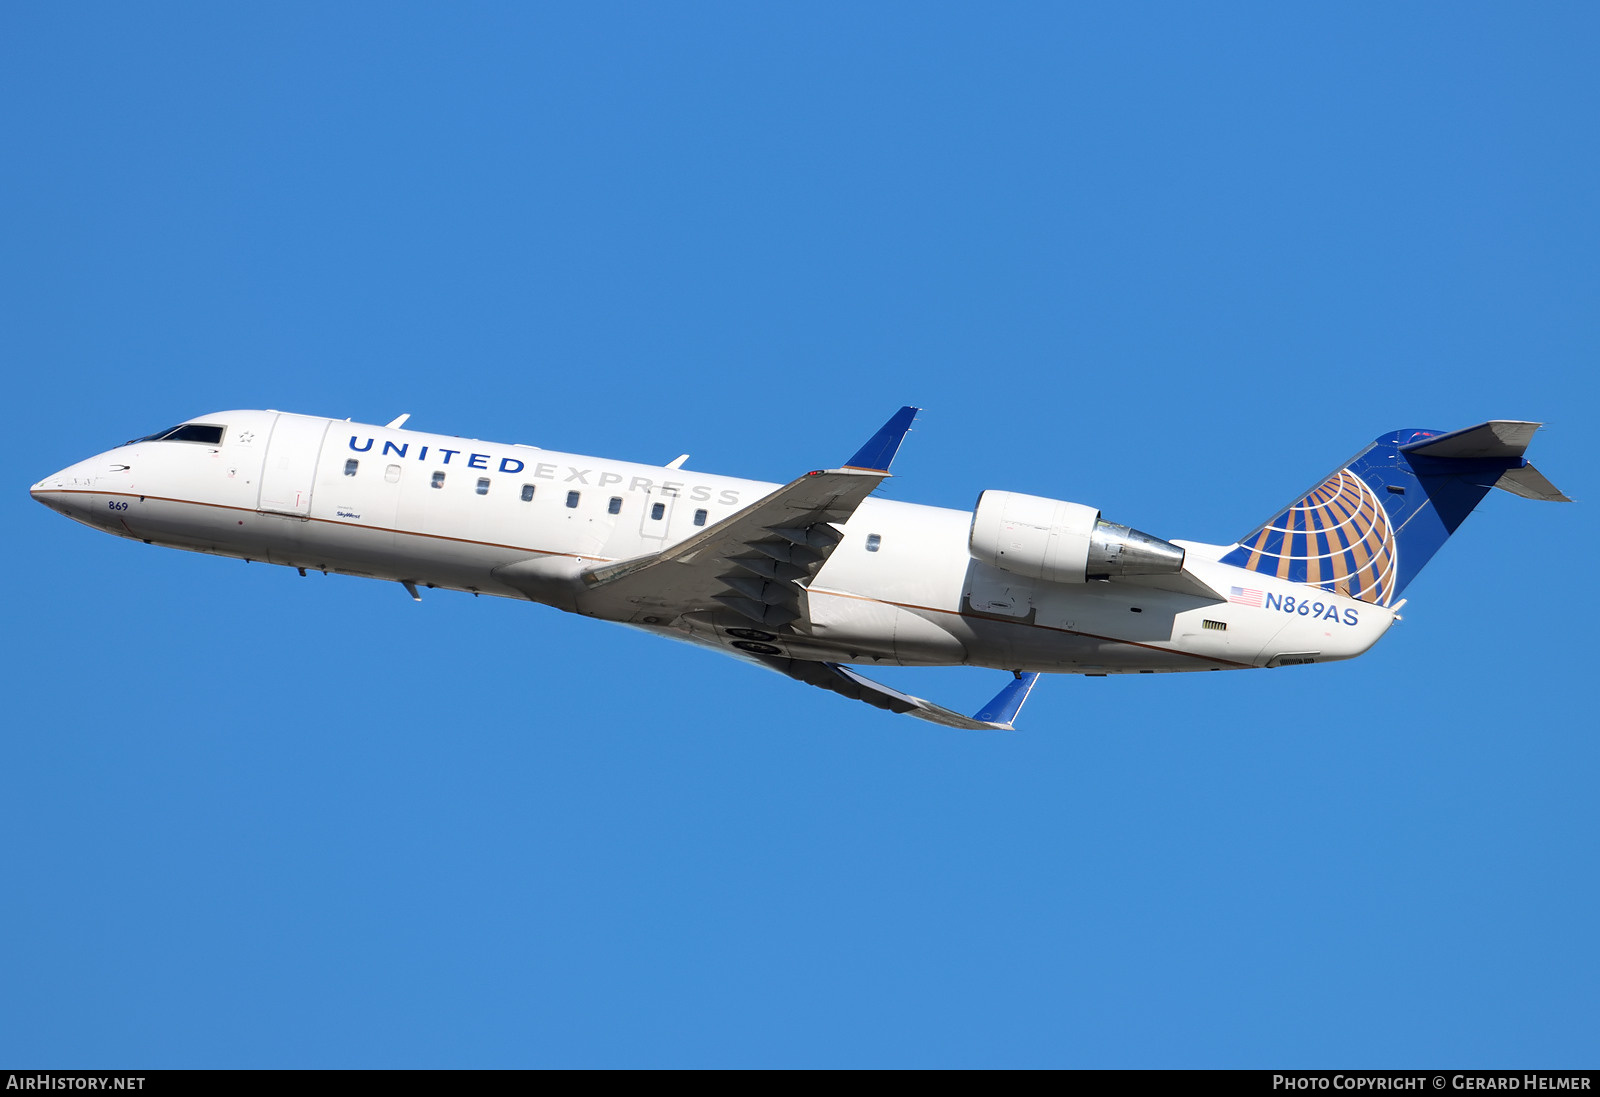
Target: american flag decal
1245 596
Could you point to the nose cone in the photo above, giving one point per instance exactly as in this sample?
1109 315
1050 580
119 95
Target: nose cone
72 490
68 479
59 481
64 492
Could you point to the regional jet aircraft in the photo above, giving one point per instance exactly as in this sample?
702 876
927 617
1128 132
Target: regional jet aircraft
812 576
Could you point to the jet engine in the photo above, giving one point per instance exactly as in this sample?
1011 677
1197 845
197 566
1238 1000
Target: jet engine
1062 542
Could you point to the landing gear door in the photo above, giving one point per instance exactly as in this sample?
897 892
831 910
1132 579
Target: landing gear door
291 465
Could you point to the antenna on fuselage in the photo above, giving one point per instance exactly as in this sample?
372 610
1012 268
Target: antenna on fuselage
398 423
677 462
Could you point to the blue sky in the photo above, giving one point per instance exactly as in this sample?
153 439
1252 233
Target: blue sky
1174 261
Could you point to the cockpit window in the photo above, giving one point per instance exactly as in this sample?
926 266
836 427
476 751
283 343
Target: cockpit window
186 432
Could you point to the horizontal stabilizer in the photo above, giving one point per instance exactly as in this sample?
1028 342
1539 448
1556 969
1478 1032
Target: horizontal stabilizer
1530 483
1498 438
997 715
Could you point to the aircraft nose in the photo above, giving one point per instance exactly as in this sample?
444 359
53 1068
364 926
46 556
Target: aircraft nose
69 490
56 491
55 481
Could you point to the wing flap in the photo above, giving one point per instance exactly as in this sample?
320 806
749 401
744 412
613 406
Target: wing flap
781 540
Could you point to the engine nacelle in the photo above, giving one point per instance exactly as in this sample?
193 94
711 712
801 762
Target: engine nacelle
1062 542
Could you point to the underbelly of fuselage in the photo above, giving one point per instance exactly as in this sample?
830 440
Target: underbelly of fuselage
847 626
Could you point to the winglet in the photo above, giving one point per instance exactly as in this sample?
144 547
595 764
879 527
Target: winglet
881 447
1003 710
997 715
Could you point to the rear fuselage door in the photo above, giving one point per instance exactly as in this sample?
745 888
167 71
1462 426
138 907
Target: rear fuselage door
291 465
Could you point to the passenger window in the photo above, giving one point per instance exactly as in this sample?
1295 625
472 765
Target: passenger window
657 510
699 517
527 493
873 542
572 499
350 466
483 485
438 479
392 474
615 506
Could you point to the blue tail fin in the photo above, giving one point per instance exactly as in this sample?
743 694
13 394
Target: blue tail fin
1368 528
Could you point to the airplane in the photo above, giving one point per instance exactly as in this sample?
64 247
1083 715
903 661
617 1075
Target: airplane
817 576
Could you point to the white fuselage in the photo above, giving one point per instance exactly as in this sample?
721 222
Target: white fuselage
438 511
